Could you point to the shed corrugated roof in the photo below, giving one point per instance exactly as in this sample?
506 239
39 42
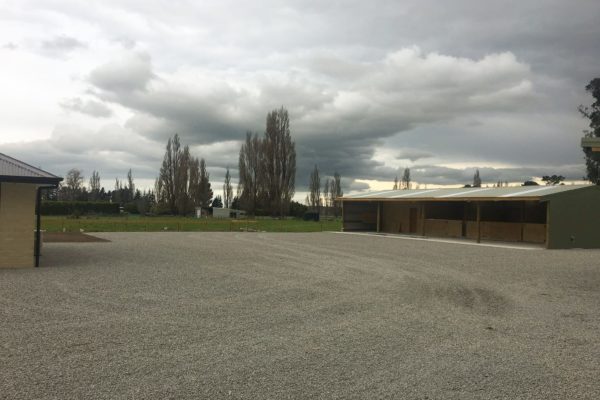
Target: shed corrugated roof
494 193
13 170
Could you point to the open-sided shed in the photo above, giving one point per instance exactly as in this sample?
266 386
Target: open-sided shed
556 216
20 195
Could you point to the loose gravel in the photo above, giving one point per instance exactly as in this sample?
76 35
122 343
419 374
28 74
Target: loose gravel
299 316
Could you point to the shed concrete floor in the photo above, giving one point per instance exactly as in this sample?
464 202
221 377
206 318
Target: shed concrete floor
318 315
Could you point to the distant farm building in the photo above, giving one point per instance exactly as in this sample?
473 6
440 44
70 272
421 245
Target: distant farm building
219 212
20 196
555 216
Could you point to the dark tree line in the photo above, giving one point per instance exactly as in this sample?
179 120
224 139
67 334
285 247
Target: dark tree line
592 112
405 182
124 193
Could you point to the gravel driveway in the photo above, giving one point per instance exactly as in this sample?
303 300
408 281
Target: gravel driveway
318 315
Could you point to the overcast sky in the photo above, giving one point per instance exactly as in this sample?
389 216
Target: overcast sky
371 87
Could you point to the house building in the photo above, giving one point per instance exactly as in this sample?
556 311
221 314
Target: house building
21 188
553 216
227 213
218 212
592 143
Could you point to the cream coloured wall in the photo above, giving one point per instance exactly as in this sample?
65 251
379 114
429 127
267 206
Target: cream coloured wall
17 224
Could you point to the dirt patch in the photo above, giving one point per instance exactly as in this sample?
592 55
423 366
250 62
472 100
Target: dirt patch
71 237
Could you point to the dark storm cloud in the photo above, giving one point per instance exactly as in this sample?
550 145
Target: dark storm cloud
337 122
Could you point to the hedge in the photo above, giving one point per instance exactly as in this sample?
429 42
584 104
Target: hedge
78 208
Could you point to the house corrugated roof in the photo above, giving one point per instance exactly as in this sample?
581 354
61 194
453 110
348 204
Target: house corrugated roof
494 193
590 142
13 170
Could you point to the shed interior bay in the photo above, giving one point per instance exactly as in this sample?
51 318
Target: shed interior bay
518 221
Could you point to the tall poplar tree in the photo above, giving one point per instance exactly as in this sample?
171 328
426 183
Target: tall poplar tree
227 190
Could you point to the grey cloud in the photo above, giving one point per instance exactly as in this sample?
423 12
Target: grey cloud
413 154
112 150
89 107
61 46
10 46
435 174
130 72
355 186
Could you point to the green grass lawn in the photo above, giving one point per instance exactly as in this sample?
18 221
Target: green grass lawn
182 224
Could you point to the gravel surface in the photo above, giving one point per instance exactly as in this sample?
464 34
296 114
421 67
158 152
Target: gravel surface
318 315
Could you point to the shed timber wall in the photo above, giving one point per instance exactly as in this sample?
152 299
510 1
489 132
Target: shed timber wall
395 217
17 224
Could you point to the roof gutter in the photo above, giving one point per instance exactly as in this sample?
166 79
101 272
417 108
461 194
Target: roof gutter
31 179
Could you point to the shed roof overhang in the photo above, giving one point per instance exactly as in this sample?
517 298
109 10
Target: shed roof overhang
493 194
439 200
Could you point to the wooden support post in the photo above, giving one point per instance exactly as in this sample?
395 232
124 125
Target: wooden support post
464 220
378 216
38 223
522 220
343 221
423 216
478 222
547 224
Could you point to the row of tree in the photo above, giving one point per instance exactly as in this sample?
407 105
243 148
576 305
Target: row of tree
266 184
183 182
332 189
267 167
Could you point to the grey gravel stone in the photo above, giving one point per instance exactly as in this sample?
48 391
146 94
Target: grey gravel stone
299 316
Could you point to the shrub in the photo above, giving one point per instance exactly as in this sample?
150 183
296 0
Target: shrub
78 208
